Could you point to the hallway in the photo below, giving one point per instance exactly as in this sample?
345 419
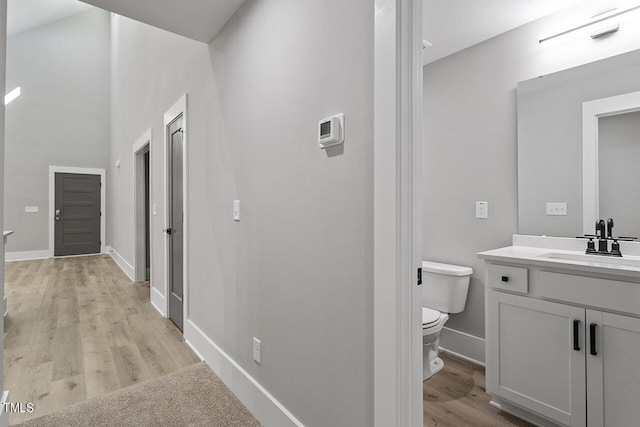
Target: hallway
78 328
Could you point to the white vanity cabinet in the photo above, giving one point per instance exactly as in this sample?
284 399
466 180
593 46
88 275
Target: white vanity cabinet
556 355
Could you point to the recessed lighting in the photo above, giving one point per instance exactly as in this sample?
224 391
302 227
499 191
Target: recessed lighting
12 95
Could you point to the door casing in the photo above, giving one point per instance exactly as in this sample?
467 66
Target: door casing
177 109
141 146
397 213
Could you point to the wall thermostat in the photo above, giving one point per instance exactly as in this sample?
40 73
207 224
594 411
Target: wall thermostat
331 131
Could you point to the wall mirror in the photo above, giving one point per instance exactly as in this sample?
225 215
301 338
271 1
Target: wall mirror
611 161
579 144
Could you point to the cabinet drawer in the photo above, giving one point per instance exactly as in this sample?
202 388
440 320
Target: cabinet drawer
508 278
605 294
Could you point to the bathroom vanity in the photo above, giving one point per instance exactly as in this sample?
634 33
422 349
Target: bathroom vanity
563 332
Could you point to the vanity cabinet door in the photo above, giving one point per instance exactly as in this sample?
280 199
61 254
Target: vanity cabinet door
533 359
613 373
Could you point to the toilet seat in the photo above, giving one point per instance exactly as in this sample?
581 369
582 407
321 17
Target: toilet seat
432 321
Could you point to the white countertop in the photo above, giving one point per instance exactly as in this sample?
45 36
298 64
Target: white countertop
548 257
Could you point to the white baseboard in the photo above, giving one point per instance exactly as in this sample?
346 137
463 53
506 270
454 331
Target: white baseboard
122 263
463 345
25 255
521 413
254 396
158 301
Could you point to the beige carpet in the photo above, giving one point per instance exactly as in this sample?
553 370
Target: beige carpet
194 396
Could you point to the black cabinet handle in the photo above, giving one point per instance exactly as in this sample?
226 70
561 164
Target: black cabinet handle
505 278
576 335
592 338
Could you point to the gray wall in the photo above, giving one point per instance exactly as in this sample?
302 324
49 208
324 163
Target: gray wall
296 272
470 142
550 140
61 118
619 171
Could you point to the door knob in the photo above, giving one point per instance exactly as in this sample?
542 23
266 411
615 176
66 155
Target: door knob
57 212
57 218
167 230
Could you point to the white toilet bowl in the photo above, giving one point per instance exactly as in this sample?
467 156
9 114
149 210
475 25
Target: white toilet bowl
432 323
444 291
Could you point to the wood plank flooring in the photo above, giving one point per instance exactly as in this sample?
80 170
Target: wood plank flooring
78 328
456 397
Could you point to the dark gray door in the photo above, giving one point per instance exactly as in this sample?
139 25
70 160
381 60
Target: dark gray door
77 214
147 212
175 221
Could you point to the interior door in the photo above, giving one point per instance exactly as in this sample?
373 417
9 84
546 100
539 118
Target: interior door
175 220
147 213
77 214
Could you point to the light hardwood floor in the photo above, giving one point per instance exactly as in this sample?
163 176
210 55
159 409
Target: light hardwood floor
78 328
456 397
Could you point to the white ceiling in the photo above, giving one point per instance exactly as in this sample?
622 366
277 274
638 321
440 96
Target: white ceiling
197 19
24 15
454 25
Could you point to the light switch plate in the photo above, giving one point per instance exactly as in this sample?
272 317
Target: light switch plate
556 208
257 350
482 210
155 209
236 210
31 209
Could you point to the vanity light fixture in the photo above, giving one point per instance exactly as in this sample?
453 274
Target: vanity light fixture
602 31
12 95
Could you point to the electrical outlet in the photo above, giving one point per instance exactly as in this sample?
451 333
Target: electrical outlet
256 350
556 208
482 210
236 210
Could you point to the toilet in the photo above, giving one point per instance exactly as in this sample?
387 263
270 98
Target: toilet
444 291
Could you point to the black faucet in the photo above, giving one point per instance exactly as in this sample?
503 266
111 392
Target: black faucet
604 233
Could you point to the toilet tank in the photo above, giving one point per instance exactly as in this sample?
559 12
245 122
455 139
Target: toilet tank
445 286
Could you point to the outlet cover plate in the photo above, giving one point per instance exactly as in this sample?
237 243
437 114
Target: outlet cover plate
556 209
236 210
482 210
257 356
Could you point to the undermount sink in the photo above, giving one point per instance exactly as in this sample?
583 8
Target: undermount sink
623 261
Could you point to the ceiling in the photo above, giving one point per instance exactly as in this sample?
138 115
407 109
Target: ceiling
450 25
454 25
24 15
196 19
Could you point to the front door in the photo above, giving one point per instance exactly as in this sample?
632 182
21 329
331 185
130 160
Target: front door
77 214
175 220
